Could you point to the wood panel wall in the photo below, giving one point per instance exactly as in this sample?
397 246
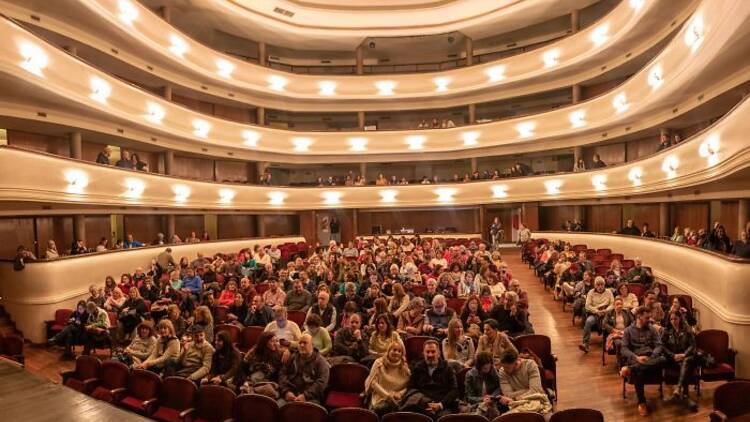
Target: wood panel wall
184 224
690 214
97 226
232 171
59 228
530 215
194 168
552 218
643 213
50 144
235 226
346 221
506 217
463 220
282 224
610 153
729 217
308 226
144 228
594 90
14 232
603 218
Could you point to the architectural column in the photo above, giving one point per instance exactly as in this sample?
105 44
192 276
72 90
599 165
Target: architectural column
743 215
79 227
482 220
355 224
169 162
575 23
260 117
262 167
474 165
252 172
469 51
166 92
211 225
576 93
363 169
472 114
260 227
578 213
76 148
361 120
663 132
664 223
360 68
262 54
166 13
577 154
170 229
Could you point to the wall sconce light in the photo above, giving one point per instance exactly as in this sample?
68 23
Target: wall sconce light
709 149
277 83
600 35
553 186
620 102
181 193
385 88
100 89
154 113
578 118
388 195
133 188
276 198
250 138
34 58
301 144
656 77
599 181
500 191
445 194
358 143
331 197
201 128
441 83
496 73
77 181
178 47
128 12
635 175
327 88
470 138
670 165
226 195
551 58
224 68
695 33
415 141
526 129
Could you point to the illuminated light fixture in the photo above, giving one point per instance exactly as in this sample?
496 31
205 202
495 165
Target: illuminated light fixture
276 197
635 175
670 165
77 181
442 83
578 118
500 191
277 83
445 194
34 59
526 129
551 58
695 33
154 113
181 193
620 102
100 89
358 144
301 144
226 195
600 35
133 188
656 77
709 149
496 73
599 181
224 68
415 141
128 12
178 47
553 187
637 4
327 88
201 128
331 197
385 88
251 138
470 138
388 195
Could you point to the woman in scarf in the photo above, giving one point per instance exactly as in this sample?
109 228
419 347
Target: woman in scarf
388 380
458 348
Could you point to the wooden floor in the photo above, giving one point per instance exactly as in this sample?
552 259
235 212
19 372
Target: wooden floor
582 380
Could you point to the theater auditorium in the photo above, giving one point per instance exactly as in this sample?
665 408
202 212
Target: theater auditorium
375 210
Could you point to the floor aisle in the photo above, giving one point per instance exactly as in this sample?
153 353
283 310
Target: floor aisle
582 381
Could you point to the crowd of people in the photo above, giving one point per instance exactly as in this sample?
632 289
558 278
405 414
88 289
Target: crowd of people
646 334
127 160
361 302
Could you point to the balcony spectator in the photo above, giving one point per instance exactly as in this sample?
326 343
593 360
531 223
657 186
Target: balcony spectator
78 248
646 232
718 240
425 180
51 252
381 180
664 142
423 125
393 180
102 245
137 163
630 229
598 163
435 124
677 236
125 161
741 247
103 157
579 166
130 242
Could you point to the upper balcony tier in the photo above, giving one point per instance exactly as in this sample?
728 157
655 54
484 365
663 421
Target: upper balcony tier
151 44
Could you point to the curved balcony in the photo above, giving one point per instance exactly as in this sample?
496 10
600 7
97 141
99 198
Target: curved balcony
714 154
717 283
32 295
710 55
630 30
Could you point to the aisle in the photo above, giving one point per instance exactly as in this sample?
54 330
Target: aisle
582 381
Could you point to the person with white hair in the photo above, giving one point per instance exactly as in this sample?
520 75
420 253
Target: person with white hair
304 378
599 301
437 318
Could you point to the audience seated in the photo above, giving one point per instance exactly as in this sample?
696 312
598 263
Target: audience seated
493 341
388 380
305 375
642 353
521 385
432 388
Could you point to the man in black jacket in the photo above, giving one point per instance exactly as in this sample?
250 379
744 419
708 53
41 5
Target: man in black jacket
630 229
642 353
433 389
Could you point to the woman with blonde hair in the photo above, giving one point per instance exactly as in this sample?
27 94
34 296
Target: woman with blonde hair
458 348
410 323
166 351
114 303
388 380
204 318
399 302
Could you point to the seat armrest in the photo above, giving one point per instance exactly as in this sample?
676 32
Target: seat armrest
717 416
187 412
117 393
149 406
228 420
66 374
90 384
732 355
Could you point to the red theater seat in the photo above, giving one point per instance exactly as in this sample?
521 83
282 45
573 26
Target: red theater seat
405 417
577 415
301 411
113 381
248 337
84 377
142 392
520 417
176 400
57 324
255 408
716 343
214 403
352 414
346 384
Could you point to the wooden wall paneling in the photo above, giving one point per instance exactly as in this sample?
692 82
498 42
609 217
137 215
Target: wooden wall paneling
234 226
603 218
610 153
462 220
642 147
307 226
530 215
193 104
144 228
594 90
283 224
97 226
506 217
50 144
690 214
236 114
194 168
553 217
729 216
90 150
231 171
346 222
644 213
15 232
59 228
185 224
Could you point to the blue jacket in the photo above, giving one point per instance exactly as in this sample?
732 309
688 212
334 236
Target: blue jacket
133 244
194 284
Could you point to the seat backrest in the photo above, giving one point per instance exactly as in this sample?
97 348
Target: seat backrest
113 374
143 384
87 367
11 344
249 336
302 411
348 378
605 252
456 303
520 417
233 330
297 317
214 403
577 415
463 418
540 344
637 289
405 417
414 346
715 342
112 319
177 393
62 315
685 300
352 414
220 313
255 408
731 398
